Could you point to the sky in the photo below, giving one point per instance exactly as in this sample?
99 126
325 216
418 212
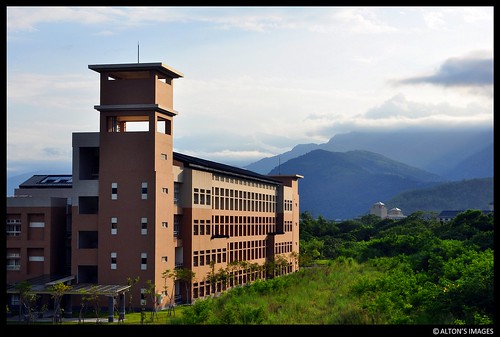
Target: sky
257 80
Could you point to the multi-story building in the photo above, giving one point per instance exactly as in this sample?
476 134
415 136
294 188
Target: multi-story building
133 209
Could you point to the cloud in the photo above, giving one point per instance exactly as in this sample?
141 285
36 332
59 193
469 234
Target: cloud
399 107
458 72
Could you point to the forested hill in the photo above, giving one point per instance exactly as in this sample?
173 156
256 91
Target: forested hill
460 195
344 185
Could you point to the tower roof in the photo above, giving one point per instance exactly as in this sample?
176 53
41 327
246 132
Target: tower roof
133 67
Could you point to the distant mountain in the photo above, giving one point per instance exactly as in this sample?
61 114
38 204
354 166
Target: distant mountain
457 195
343 185
477 165
436 151
265 165
449 153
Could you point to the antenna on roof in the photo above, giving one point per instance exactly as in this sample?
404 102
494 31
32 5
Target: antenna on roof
137 51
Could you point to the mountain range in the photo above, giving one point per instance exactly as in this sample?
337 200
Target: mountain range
453 154
345 176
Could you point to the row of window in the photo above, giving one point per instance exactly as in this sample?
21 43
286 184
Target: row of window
237 200
235 226
144 225
143 260
206 256
224 198
14 260
239 251
14 228
237 181
144 191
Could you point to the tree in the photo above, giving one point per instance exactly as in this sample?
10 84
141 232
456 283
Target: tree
57 292
211 276
131 283
187 276
151 291
171 302
92 296
27 300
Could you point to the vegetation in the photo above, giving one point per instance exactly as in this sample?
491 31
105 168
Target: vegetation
379 271
370 271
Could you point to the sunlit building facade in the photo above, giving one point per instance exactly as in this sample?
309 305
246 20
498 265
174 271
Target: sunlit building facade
133 209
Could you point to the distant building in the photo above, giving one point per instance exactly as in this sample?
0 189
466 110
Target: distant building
395 213
379 209
448 215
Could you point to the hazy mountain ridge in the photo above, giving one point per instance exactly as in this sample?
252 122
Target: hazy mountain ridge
449 153
457 195
477 165
342 185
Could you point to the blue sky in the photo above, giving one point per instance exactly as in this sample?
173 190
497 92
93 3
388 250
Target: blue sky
257 80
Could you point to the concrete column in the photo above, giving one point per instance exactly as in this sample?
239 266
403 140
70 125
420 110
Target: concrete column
122 307
68 311
111 308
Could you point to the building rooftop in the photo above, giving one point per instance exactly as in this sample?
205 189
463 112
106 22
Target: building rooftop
66 180
46 181
210 166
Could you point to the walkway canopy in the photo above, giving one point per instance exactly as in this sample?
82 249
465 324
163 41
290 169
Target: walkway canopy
42 285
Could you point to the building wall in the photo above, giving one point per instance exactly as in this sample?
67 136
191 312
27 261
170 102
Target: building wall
37 237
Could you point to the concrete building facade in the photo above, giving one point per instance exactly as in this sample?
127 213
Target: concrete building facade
136 210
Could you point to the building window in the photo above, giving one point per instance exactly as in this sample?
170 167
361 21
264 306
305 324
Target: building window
113 260
164 259
202 197
144 226
164 190
114 225
164 224
202 227
163 156
13 260
177 225
177 193
144 191
114 191
37 224
144 261
13 227
36 258
196 196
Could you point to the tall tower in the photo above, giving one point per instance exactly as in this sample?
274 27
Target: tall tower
136 185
